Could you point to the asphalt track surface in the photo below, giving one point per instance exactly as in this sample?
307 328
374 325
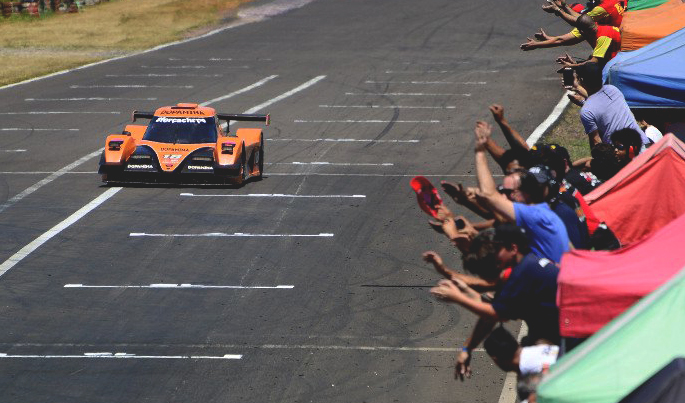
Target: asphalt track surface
352 320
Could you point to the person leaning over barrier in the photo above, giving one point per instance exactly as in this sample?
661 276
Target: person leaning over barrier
527 286
519 200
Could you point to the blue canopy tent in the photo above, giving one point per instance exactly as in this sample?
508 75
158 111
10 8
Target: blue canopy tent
652 76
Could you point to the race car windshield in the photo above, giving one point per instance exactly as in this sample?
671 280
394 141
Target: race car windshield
179 130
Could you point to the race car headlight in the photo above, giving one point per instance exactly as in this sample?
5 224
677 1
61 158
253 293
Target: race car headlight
203 159
115 145
227 147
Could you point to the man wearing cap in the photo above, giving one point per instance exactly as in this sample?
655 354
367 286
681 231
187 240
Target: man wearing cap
527 289
520 200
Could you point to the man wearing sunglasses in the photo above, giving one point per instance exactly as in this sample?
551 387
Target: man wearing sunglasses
520 200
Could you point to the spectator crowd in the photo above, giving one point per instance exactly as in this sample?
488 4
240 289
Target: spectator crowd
537 212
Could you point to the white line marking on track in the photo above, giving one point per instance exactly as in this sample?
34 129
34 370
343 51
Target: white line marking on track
427 82
437 63
164 75
89 99
542 128
33 129
174 67
235 234
13 151
286 94
47 180
419 72
389 106
347 140
255 346
276 195
345 164
187 286
130 86
192 67
409 94
59 113
365 121
106 355
240 91
26 250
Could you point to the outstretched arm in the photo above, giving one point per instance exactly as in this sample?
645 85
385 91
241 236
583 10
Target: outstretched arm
476 283
502 207
465 197
513 137
564 40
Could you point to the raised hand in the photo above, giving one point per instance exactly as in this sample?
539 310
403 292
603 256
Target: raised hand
483 131
497 111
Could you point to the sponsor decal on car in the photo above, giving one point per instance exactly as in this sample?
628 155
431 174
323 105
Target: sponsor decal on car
140 166
198 167
173 149
182 112
172 156
180 120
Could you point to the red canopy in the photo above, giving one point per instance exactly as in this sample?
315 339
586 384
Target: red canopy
645 195
595 287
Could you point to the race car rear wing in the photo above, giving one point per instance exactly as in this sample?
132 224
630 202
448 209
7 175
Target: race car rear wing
244 117
221 116
142 115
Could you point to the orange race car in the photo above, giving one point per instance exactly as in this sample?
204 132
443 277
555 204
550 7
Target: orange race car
184 144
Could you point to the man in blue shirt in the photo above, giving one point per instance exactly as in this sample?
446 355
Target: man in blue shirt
520 200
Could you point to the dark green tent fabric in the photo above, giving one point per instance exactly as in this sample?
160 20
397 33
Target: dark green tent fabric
644 4
624 353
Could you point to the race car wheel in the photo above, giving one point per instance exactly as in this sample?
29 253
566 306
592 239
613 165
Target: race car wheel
260 158
245 171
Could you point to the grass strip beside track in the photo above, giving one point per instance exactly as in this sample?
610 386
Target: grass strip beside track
32 48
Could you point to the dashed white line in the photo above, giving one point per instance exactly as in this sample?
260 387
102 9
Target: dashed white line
107 355
173 67
419 72
437 63
164 75
276 195
235 234
346 164
428 82
413 94
389 106
13 151
47 180
240 91
347 140
89 99
26 250
130 86
61 113
192 67
365 121
33 129
187 286
286 94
